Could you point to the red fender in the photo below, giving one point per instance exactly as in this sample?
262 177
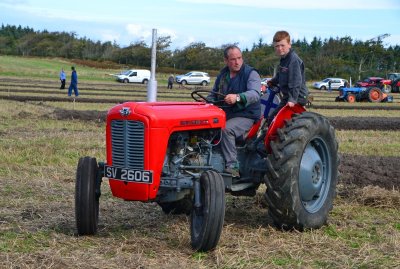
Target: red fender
279 121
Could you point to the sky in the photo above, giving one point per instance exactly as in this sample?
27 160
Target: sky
213 22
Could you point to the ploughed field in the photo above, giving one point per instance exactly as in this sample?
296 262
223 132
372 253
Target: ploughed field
37 191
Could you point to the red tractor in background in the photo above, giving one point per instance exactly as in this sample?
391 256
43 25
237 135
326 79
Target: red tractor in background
169 153
391 84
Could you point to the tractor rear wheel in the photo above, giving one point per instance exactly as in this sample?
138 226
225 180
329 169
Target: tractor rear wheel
86 196
375 95
351 98
302 173
208 219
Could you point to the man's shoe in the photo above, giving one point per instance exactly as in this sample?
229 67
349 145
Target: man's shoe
233 171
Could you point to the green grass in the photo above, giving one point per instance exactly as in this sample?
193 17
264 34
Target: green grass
33 67
369 142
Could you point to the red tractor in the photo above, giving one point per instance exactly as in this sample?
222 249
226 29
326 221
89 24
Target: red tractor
169 153
391 84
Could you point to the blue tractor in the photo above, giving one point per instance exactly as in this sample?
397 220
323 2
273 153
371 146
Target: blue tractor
360 94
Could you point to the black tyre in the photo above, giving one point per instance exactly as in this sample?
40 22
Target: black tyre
145 81
302 172
126 80
204 83
86 197
323 88
395 88
207 221
183 206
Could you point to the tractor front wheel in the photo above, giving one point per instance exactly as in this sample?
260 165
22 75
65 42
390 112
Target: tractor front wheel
86 196
351 98
208 219
302 173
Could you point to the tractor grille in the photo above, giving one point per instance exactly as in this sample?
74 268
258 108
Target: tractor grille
127 141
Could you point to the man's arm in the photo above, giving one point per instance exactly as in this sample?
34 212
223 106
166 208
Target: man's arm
295 81
253 93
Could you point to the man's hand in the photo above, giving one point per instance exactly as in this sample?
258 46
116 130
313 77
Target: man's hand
230 99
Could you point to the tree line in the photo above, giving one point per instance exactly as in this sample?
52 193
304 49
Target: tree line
335 57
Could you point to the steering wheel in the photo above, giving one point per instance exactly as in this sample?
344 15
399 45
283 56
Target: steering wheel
199 96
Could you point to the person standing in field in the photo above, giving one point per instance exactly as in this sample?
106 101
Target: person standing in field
290 76
170 81
63 77
74 83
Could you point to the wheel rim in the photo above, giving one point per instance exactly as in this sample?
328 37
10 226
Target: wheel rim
351 98
315 175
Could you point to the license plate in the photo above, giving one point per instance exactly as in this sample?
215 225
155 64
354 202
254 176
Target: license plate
130 175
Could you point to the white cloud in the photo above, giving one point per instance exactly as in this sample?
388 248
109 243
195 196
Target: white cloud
138 31
167 32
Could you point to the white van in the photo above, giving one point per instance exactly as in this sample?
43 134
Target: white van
134 76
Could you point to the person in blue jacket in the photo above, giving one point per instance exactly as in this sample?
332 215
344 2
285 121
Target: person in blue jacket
241 85
74 83
63 77
290 76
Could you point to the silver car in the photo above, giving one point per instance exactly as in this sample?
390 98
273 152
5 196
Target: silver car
336 84
194 77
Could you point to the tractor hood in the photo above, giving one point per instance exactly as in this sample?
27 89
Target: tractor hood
171 115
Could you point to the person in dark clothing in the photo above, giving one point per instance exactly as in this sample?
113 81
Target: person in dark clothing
170 81
290 76
62 79
330 85
241 84
74 83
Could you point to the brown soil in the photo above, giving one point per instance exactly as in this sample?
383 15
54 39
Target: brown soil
362 171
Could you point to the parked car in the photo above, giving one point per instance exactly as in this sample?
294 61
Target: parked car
336 84
264 81
194 77
134 76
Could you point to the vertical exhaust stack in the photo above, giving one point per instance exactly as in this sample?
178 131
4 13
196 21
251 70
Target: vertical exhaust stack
152 84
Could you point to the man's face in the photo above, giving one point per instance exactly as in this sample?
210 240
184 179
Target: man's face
282 47
234 60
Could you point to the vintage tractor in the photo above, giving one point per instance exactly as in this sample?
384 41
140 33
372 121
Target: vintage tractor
169 153
360 94
394 82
